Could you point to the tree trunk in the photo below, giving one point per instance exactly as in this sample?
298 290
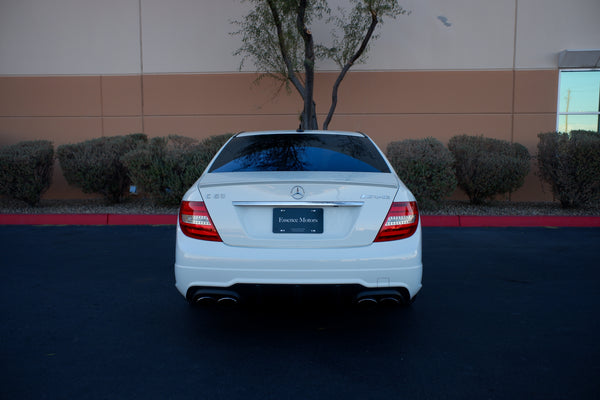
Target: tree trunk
309 117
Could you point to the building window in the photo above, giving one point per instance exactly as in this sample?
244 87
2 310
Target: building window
579 100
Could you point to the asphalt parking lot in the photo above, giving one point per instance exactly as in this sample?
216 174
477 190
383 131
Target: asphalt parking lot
505 313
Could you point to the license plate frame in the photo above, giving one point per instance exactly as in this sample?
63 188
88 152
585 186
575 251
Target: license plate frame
297 220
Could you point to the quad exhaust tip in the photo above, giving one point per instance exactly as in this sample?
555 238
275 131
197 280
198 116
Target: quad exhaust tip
368 299
227 301
205 300
366 302
210 297
384 298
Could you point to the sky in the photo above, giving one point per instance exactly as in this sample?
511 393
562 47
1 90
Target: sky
579 92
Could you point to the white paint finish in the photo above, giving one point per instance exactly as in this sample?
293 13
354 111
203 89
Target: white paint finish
47 37
71 37
344 253
546 27
190 35
480 35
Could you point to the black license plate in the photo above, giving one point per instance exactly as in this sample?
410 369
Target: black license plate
297 220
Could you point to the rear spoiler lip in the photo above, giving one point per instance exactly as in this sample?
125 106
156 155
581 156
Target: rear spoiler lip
380 179
298 203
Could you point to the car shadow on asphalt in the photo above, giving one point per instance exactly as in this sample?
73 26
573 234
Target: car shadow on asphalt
279 318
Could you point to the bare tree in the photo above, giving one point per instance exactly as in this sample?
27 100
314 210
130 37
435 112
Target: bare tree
277 38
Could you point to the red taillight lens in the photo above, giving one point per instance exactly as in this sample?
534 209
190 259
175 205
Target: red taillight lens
195 222
401 222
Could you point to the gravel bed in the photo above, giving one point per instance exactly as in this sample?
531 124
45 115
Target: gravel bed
88 206
510 208
136 205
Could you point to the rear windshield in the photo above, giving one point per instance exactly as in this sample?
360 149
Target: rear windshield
300 152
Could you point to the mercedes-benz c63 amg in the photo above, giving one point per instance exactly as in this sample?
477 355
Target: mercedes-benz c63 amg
298 213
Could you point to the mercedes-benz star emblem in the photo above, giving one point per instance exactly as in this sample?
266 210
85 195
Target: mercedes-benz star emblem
297 192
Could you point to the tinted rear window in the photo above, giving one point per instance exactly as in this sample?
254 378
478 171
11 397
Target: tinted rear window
299 152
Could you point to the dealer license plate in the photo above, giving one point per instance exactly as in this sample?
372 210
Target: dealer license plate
297 220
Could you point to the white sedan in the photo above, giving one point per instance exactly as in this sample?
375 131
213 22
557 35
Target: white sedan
299 213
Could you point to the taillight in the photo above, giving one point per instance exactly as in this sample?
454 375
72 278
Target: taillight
401 222
195 222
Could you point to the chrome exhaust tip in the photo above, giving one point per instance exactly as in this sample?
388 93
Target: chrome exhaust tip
389 301
205 300
227 301
381 297
366 302
210 297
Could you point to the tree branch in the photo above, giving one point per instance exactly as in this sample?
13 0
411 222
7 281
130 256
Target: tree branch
284 52
348 65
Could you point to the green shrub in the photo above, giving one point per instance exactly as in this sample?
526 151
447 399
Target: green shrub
211 145
487 167
26 170
95 165
425 166
166 167
570 163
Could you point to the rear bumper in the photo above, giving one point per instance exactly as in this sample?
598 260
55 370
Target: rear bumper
276 295
380 265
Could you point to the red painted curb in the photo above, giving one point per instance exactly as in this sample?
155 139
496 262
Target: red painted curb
141 219
87 219
447 221
529 221
426 220
473 221
53 219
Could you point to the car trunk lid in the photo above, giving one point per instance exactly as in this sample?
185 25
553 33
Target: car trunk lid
298 209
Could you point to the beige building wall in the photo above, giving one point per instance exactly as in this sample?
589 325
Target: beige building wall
76 70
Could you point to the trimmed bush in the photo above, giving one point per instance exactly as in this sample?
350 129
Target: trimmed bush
211 145
26 170
95 165
425 166
570 163
166 167
487 167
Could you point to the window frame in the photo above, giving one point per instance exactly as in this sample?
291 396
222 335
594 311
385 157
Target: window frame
559 113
